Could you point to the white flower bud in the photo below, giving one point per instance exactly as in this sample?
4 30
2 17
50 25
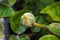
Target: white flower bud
28 19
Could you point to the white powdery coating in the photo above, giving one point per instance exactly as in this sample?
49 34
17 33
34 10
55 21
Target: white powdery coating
29 20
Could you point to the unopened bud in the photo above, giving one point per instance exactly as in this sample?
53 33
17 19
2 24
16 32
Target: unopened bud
28 19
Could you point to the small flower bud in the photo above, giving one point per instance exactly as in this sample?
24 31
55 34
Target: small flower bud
28 19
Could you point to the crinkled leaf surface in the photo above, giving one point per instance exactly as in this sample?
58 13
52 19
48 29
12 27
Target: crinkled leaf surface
11 2
5 11
22 37
54 28
53 10
16 24
49 37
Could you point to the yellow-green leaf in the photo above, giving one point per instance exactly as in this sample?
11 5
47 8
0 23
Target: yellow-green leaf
49 37
53 10
54 28
5 11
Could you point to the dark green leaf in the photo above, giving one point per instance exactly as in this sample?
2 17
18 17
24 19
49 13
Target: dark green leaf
4 2
27 1
49 37
36 5
35 29
16 24
43 3
40 19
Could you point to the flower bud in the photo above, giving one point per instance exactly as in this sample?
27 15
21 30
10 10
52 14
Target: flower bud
28 19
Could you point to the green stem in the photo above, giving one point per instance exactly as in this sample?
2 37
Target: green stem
39 25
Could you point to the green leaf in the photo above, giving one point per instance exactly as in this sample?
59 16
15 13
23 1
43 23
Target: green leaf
54 28
27 1
11 2
41 19
16 24
4 2
43 3
5 11
49 37
53 11
35 29
13 37
36 5
33 7
22 37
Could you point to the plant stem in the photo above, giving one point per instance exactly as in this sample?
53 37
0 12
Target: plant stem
39 25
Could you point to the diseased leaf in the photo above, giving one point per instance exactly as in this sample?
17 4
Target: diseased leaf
49 37
53 10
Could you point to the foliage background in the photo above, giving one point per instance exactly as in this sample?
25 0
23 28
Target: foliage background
34 33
